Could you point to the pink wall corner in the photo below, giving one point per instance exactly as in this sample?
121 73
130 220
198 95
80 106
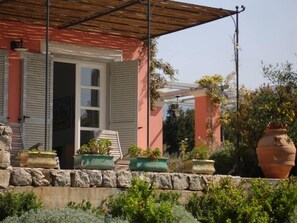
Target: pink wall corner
14 88
202 114
142 103
156 128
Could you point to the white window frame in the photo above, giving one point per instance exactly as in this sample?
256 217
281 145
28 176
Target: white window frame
103 96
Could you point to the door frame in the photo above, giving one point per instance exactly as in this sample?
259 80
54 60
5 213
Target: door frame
103 97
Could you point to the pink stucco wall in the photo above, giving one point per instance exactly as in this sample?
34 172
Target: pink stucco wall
32 35
202 114
156 133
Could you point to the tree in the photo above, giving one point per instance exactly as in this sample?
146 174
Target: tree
176 129
257 109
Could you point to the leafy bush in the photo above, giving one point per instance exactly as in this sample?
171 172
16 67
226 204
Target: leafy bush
224 158
87 206
181 215
140 203
230 202
13 203
66 215
171 197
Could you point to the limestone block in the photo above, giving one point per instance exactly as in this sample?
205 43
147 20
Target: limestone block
79 178
109 178
124 178
60 178
20 177
5 145
4 179
39 178
180 181
163 180
95 178
197 182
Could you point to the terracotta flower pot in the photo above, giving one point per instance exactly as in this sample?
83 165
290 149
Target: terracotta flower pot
276 153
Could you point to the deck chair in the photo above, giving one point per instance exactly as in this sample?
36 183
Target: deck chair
113 136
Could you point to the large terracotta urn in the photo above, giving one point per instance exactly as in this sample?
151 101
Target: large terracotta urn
276 153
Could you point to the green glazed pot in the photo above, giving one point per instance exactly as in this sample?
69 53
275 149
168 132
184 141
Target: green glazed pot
133 163
93 161
146 164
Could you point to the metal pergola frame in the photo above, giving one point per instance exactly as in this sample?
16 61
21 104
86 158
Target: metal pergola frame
174 16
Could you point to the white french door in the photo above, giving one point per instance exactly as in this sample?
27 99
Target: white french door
90 105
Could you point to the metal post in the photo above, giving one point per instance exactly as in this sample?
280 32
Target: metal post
148 69
46 72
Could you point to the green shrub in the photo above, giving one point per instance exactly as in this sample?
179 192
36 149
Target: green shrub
87 206
246 202
181 215
66 215
139 203
171 197
13 203
225 159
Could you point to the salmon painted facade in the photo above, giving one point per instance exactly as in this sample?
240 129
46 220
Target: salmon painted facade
95 82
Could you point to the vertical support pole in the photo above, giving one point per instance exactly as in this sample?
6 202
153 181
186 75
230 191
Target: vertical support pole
46 72
237 78
148 69
237 60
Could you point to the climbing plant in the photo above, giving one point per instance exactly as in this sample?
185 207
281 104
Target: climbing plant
161 73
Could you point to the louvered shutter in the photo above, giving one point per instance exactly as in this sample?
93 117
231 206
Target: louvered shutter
33 101
3 85
124 102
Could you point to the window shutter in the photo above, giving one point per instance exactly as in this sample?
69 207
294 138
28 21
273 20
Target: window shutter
33 100
3 85
124 102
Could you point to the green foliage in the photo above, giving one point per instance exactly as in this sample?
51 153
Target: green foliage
151 153
96 146
224 158
171 197
134 151
181 215
139 203
231 202
201 151
66 215
177 129
213 85
276 105
87 206
13 203
161 72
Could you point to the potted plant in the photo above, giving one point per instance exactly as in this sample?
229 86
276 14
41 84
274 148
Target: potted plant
94 155
37 157
196 161
151 160
276 151
134 151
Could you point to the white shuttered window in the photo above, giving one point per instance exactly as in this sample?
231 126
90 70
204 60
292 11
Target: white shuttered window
124 102
33 100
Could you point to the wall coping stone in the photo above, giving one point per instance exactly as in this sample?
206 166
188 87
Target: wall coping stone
36 177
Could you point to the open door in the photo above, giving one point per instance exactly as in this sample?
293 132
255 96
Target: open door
33 101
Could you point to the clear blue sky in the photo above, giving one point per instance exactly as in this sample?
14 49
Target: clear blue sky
267 32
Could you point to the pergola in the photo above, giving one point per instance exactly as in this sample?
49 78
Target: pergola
125 18
138 19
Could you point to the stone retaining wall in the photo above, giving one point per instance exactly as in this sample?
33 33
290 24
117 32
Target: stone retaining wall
97 178
58 187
